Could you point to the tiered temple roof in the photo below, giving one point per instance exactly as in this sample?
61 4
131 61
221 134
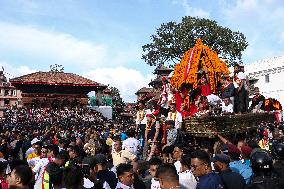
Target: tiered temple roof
54 88
55 78
162 69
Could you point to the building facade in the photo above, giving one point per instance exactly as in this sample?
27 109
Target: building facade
9 95
55 89
268 76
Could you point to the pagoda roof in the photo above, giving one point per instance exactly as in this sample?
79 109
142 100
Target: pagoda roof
144 90
162 67
55 78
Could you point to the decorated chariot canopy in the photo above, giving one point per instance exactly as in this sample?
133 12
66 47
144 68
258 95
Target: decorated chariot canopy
195 61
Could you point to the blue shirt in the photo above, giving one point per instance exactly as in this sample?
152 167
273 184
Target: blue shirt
123 136
210 181
242 168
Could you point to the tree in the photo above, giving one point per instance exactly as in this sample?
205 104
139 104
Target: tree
117 102
173 39
56 68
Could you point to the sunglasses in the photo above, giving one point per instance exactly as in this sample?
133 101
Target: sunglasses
194 167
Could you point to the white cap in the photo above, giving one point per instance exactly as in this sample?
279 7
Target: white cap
241 76
35 140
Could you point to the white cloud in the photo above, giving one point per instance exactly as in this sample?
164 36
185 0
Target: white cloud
192 11
57 47
128 81
11 71
260 21
23 70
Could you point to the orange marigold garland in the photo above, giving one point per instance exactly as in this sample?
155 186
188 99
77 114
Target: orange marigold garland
209 60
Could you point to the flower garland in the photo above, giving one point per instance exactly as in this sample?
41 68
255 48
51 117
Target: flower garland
173 116
149 125
194 56
140 115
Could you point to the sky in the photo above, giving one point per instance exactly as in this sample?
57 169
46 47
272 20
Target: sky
102 39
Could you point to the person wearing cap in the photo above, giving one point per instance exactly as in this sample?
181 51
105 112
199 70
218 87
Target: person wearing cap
48 154
34 157
264 143
257 103
201 169
231 180
246 151
32 148
175 116
227 106
131 144
237 165
241 96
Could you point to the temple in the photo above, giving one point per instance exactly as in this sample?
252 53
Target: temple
55 89
160 71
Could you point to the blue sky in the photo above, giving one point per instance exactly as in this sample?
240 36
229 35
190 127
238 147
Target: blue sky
102 39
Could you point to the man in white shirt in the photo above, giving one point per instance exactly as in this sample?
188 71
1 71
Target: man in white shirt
213 99
227 106
186 178
175 116
154 163
32 148
48 154
131 144
177 155
141 119
125 175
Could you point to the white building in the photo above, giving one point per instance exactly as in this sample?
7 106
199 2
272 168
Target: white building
269 75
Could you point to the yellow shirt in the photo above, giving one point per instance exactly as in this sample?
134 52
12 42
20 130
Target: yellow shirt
32 155
123 156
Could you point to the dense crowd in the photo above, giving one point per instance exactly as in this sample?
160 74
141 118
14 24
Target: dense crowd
78 148
230 96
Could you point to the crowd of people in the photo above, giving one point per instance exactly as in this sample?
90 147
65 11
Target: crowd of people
78 148
230 96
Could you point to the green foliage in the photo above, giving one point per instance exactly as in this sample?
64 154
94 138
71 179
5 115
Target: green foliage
117 103
93 101
173 39
56 68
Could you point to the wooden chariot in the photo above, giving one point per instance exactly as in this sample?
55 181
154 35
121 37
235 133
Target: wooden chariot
225 125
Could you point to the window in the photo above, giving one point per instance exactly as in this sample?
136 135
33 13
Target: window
6 93
6 102
267 78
